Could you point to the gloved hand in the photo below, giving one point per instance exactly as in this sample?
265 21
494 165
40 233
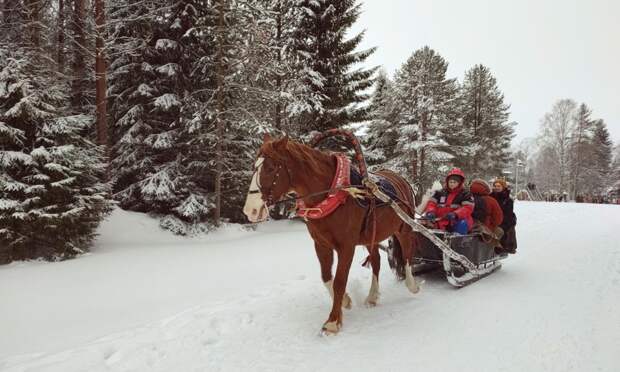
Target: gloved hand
430 216
451 216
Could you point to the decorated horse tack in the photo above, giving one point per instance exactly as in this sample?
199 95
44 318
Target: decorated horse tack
334 198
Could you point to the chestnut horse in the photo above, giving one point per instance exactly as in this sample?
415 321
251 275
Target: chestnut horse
284 166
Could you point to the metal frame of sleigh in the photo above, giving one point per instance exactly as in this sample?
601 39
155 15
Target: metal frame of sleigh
472 248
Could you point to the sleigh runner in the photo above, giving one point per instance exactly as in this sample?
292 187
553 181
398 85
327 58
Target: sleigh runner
428 257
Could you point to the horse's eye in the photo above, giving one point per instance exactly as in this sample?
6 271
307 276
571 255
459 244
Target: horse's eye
269 167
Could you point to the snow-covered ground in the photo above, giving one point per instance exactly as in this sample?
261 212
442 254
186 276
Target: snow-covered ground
240 300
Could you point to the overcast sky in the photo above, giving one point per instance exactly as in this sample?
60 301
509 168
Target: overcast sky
538 50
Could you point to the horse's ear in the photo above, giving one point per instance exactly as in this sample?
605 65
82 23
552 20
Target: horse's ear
266 137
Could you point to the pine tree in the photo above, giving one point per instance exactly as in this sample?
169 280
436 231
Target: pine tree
614 179
51 194
275 72
426 103
151 85
581 150
602 150
382 135
225 130
482 145
321 33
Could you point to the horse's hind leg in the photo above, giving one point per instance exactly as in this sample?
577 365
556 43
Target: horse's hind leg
326 260
375 263
406 240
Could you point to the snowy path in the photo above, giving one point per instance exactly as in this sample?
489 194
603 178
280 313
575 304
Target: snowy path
253 301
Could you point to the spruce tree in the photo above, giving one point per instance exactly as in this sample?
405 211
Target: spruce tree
602 148
482 146
321 35
614 178
275 72
149 87
426 105
581 151
381 138
51 194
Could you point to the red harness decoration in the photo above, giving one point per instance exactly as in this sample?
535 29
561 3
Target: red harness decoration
335 198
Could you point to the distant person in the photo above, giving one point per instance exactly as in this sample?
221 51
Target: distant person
451 208
501 193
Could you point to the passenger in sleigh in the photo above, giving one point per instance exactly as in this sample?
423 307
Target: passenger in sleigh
451 208
501 193
487 215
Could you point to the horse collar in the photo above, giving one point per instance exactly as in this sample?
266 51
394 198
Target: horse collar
336 197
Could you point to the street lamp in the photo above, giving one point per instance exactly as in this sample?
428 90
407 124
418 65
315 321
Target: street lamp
518 163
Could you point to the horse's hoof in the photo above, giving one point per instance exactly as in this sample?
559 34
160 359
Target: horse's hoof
413 288
346 302
370 303
330 328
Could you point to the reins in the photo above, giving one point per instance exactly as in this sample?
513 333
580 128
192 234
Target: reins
294 199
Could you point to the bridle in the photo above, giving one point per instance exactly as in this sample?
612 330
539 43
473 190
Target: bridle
269 200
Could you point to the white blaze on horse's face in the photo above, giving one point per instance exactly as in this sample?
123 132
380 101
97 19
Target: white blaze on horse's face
255 208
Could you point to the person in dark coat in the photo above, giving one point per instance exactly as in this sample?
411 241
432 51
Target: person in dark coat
501 193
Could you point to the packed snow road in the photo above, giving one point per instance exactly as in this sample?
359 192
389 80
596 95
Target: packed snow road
253 301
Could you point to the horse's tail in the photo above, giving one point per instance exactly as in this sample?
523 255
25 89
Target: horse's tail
395 258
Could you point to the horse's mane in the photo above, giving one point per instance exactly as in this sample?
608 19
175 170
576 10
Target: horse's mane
300 155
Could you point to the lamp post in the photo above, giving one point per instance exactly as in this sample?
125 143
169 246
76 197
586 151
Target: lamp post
518 163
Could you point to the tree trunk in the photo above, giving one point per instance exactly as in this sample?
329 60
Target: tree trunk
11 26
60 56
219 155
34 25
278 113
100 76
414 166
79 67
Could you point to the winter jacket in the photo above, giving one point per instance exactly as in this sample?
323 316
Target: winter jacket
458 201
492 216
509 240
505 202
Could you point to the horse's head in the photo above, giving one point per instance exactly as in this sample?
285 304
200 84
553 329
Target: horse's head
271 179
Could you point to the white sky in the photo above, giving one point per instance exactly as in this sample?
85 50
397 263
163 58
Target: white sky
539 51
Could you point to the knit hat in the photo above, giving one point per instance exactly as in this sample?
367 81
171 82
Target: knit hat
480 187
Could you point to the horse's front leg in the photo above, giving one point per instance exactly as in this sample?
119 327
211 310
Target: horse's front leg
375 263
326 260
345 257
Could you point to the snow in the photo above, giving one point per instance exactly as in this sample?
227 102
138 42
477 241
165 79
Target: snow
166 45
167 101
242 300
169 69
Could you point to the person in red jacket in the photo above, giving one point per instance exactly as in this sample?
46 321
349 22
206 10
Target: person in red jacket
491 214
452 206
